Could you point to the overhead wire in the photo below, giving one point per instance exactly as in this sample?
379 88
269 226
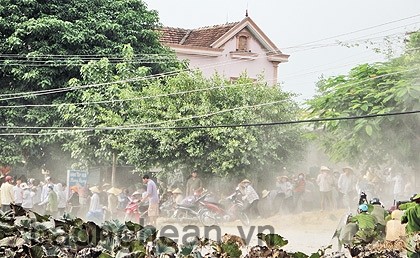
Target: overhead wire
52 91
190 117
129 80
315 120
173 93
353 32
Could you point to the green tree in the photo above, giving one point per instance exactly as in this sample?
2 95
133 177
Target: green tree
183 141
44 43
152 123
99 108
370 89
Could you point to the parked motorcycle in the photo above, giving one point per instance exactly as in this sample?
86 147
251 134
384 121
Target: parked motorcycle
189 209
134 212
213 213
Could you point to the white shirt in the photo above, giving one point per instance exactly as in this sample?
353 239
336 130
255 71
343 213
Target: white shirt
6 193
27 200
95 204
18 194
325 182
346 183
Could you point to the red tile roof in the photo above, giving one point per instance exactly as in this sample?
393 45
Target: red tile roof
201 37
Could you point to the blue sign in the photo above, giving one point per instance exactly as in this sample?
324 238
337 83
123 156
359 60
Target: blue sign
76 177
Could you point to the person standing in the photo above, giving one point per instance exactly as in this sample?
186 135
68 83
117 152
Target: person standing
299 191
7 196
96 212
398 188
284 194
193 184
153 197
346 186
412 218
73 201
45 188
62 198
37 189
325 183
51 201
113 193
18 192
27 197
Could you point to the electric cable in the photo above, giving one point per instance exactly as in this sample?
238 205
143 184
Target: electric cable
315 120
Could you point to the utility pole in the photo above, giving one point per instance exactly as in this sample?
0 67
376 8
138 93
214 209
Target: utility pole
114 168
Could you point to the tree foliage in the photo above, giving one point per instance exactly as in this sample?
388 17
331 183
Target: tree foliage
162 123
44 43
370 89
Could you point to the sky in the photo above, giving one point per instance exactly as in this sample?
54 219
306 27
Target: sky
319 35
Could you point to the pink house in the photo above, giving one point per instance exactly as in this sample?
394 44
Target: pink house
228 49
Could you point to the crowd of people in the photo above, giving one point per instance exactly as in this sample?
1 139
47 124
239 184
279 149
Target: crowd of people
296 193
95 203
42 197
332 189
289 193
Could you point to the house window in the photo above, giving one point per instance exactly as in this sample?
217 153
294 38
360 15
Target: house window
243 43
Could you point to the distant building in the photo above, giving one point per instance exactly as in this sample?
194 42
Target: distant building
228 49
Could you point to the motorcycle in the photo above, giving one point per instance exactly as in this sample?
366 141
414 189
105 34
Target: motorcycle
213 213
189 209
134 213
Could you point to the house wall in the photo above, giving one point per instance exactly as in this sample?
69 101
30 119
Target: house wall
233 68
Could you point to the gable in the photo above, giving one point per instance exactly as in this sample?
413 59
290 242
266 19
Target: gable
255 31
214 37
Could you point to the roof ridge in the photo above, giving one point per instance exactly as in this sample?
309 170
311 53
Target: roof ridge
217 26
176 28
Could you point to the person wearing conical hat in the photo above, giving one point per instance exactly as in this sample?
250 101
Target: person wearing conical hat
412 228
251 198
325 183
264 193
284 194
95 212
113 193
177 196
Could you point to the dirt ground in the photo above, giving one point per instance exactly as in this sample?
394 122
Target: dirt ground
306 232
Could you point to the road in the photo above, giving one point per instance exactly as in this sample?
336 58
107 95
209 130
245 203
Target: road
306 232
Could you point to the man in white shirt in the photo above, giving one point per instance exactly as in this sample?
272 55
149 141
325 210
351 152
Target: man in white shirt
18 192
325 183
347 186
7 194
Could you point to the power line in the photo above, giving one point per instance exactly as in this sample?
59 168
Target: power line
53 91
179 93
353 32
213 126
151 123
